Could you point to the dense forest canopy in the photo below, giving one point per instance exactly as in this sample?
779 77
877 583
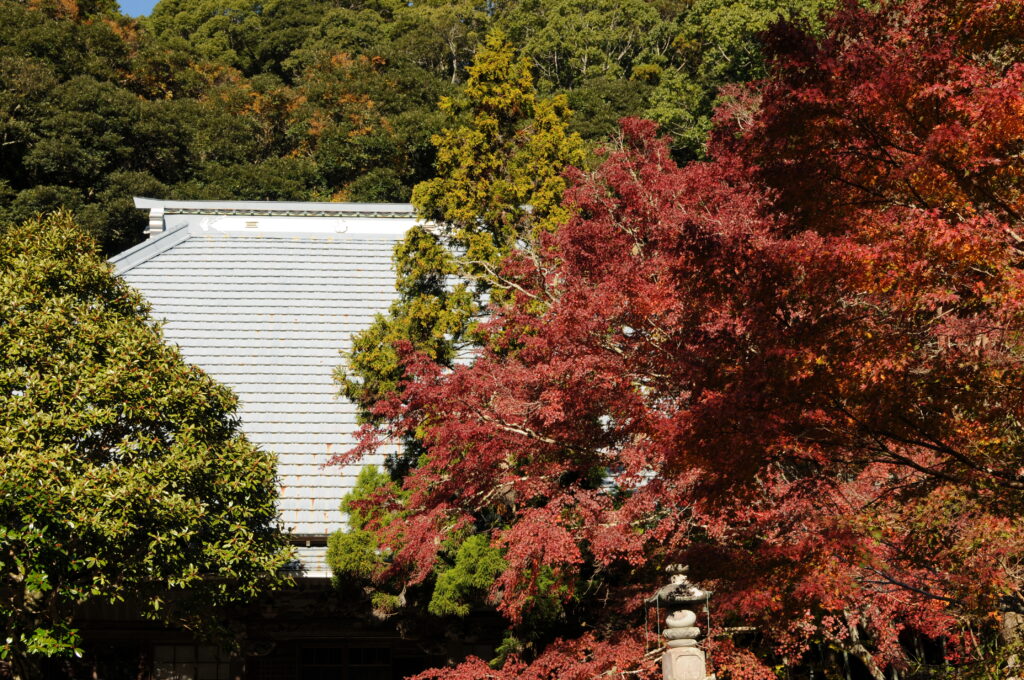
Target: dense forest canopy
324 99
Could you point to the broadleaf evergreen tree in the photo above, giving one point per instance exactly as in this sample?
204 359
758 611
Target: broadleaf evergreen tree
123 474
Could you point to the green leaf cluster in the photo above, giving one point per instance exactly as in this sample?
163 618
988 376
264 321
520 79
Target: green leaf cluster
123 474
717 43
462 580
468 579
356 553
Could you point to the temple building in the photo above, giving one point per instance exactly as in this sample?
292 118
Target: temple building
263 296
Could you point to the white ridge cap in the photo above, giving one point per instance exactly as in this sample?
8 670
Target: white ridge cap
304 208
276 218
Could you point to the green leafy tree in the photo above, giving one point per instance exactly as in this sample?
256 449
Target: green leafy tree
440 35
343 30
357 554
123 474
499 179
718 43
227 32
572 41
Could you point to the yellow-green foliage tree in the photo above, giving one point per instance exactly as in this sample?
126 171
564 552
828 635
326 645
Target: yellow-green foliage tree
123 474
499 179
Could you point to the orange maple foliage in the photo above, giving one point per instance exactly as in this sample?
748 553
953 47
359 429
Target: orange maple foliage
798 367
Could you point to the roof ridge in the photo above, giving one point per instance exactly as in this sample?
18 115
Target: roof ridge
151 247
282 208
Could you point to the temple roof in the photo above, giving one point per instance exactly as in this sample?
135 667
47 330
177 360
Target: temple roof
265 310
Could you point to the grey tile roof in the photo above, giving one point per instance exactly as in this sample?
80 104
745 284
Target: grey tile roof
267 314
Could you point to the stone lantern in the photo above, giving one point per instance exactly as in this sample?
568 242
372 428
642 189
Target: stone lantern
683 660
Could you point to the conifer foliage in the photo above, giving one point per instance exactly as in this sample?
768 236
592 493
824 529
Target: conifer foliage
123 475
796 367
499 180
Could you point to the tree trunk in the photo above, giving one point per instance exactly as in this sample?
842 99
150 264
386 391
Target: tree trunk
861 652
864 656
1011 629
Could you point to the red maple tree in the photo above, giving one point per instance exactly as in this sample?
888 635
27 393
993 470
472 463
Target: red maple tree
796 367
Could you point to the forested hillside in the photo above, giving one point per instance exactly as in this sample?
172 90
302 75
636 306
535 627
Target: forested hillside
323 99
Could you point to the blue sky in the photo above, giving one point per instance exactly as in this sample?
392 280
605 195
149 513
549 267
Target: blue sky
135 8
